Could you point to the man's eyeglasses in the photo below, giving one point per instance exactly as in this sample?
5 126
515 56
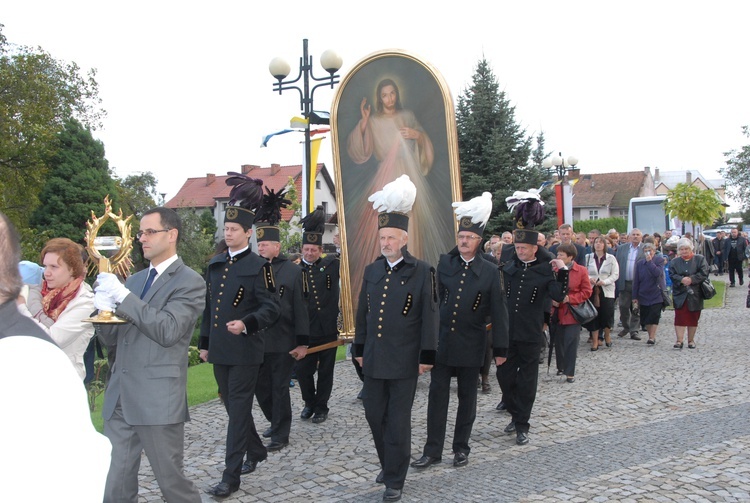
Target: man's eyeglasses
470 237
150 232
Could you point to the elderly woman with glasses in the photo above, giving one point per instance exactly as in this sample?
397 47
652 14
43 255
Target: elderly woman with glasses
687 271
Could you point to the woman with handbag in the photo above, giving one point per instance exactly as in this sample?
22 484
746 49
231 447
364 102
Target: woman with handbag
687 271
603 272
567 328
648 283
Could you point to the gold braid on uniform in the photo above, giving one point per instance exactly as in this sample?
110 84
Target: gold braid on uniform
305 284
477 302
268 277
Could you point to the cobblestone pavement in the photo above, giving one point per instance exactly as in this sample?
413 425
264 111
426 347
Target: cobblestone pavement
641 423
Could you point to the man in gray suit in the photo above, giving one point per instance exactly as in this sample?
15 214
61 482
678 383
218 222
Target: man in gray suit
145 403
627 255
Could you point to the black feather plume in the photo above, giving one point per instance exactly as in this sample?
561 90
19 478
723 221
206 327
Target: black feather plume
246 192
315 221
271 206
530 213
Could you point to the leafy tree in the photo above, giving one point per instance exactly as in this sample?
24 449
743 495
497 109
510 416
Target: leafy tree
290 235
77 182
208 223
196 246
693 205
137 194
38 94
494 149
737 172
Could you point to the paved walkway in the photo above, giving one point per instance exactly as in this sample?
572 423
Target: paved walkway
641 423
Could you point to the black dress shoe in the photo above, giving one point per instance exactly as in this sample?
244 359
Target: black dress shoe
222 490
319 417
522 438
392 494
306 413
276 446
379 478
268 432
249 467
425 461
511 428
460 459
501 406
359 395
635 336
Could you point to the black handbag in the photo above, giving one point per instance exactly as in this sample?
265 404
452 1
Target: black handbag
707 289
583 312
666 299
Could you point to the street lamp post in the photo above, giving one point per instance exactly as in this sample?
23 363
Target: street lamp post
279 68
563 190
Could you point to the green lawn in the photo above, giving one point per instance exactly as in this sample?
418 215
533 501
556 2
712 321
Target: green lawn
201 387
718 300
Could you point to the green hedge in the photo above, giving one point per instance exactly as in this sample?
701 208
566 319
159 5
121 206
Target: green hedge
603 224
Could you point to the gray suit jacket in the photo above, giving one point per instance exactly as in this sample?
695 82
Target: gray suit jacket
149 376
622 261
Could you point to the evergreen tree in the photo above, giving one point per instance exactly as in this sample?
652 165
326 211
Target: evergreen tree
76 183
493 148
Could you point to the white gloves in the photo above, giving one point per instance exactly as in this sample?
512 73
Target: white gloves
103 302
109 284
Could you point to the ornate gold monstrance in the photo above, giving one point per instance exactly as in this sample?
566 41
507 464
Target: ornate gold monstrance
109 253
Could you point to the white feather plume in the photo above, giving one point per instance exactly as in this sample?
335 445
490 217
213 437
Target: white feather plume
478 208
396 196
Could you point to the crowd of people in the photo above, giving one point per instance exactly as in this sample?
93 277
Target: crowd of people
266 316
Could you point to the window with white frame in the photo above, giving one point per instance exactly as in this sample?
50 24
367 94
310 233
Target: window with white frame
593 214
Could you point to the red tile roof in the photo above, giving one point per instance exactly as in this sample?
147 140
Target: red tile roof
203 192
608 189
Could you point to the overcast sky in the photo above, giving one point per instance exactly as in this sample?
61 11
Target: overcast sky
620 85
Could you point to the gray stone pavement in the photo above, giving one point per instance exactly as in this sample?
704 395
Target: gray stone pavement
641 423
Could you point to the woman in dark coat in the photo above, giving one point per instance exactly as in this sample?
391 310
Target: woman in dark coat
687 271
648 283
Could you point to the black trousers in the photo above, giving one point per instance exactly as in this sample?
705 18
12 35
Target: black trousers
735 266
237 387
518 378
323 363
272 393
388 405
566 347
437 408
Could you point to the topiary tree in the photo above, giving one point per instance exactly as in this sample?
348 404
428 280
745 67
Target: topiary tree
693 205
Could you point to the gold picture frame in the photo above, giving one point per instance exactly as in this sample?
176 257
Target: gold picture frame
365 159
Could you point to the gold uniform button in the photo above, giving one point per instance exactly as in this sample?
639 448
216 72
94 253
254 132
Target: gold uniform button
380 319
385 287
380 335
458 297
381 311
380 327
215 325
384 295
382 303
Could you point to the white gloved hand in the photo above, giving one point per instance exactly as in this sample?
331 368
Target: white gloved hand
108 282
103 301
